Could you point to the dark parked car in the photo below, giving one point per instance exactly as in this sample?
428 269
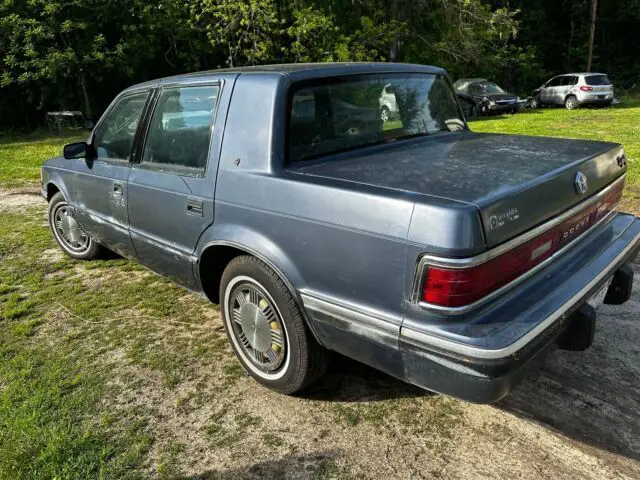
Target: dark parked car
478 96
450 259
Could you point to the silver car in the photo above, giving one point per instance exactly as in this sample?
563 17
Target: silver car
575 89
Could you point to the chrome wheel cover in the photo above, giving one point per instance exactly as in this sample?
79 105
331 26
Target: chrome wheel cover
68 231
257 327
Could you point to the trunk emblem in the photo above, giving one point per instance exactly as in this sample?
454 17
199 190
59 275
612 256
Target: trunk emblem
581 183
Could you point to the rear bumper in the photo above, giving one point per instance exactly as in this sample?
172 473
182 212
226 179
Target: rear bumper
594 100
482 356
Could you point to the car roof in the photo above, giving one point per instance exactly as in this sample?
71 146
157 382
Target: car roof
300 71
580 74
472 80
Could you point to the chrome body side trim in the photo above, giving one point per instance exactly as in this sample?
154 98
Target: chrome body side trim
426 340
457 263
349 312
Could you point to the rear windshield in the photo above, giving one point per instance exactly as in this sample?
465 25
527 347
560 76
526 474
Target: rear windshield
597 80
345 113
485 88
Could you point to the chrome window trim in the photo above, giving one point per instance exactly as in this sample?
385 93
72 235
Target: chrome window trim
458 263
423 339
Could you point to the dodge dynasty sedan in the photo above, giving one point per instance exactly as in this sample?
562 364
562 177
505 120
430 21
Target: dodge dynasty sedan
453 260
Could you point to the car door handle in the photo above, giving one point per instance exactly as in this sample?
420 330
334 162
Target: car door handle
117 189
194 207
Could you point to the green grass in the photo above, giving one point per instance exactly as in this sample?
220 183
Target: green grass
620 124
21 156
55 418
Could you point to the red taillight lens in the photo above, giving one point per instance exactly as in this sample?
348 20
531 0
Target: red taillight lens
449 287
586 89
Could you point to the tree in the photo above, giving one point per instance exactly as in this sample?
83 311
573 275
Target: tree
592 33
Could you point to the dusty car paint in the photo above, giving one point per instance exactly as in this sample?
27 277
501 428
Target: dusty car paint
346 233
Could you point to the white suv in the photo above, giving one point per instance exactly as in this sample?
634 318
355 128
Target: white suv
575 89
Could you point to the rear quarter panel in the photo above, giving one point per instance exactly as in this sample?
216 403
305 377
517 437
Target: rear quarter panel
332 240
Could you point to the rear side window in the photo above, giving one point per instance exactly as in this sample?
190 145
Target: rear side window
597 80
180 127
346 113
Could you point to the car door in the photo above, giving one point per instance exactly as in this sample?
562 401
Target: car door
101 186
563 89
547 92
171 187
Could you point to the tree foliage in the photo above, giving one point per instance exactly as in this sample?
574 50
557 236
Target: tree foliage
77 54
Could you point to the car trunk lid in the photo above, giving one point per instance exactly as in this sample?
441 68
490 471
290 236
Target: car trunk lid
516 182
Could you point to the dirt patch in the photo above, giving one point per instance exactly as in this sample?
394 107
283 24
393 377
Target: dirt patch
16 201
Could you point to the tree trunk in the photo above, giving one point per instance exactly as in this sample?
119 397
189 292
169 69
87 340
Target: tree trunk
592 33
572 30
85 94
393 49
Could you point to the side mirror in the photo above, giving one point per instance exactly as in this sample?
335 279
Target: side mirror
76 150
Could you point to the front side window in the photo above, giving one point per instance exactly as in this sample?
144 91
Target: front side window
180 127
113 139
554 82
351 112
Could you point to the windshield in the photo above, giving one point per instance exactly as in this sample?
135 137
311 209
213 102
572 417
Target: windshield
485 88
597 80
353 112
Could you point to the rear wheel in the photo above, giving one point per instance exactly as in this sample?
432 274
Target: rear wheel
68 233
571 103
266 328
385 114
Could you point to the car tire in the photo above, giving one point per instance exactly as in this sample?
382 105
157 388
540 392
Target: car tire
571 102
266 328
385 113
535 102
67 232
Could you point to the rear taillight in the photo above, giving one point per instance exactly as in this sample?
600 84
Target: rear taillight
459 287
586 89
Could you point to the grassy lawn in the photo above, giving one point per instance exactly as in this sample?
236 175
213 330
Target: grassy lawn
21 156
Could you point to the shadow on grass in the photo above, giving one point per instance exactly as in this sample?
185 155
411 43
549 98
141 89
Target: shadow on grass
503 116
349 381
7 138
321 465
593 396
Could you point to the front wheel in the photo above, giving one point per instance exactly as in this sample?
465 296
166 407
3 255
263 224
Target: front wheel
535 102
266 328
68 233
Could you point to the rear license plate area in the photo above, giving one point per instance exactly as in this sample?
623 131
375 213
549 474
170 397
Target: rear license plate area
601 97
597 299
